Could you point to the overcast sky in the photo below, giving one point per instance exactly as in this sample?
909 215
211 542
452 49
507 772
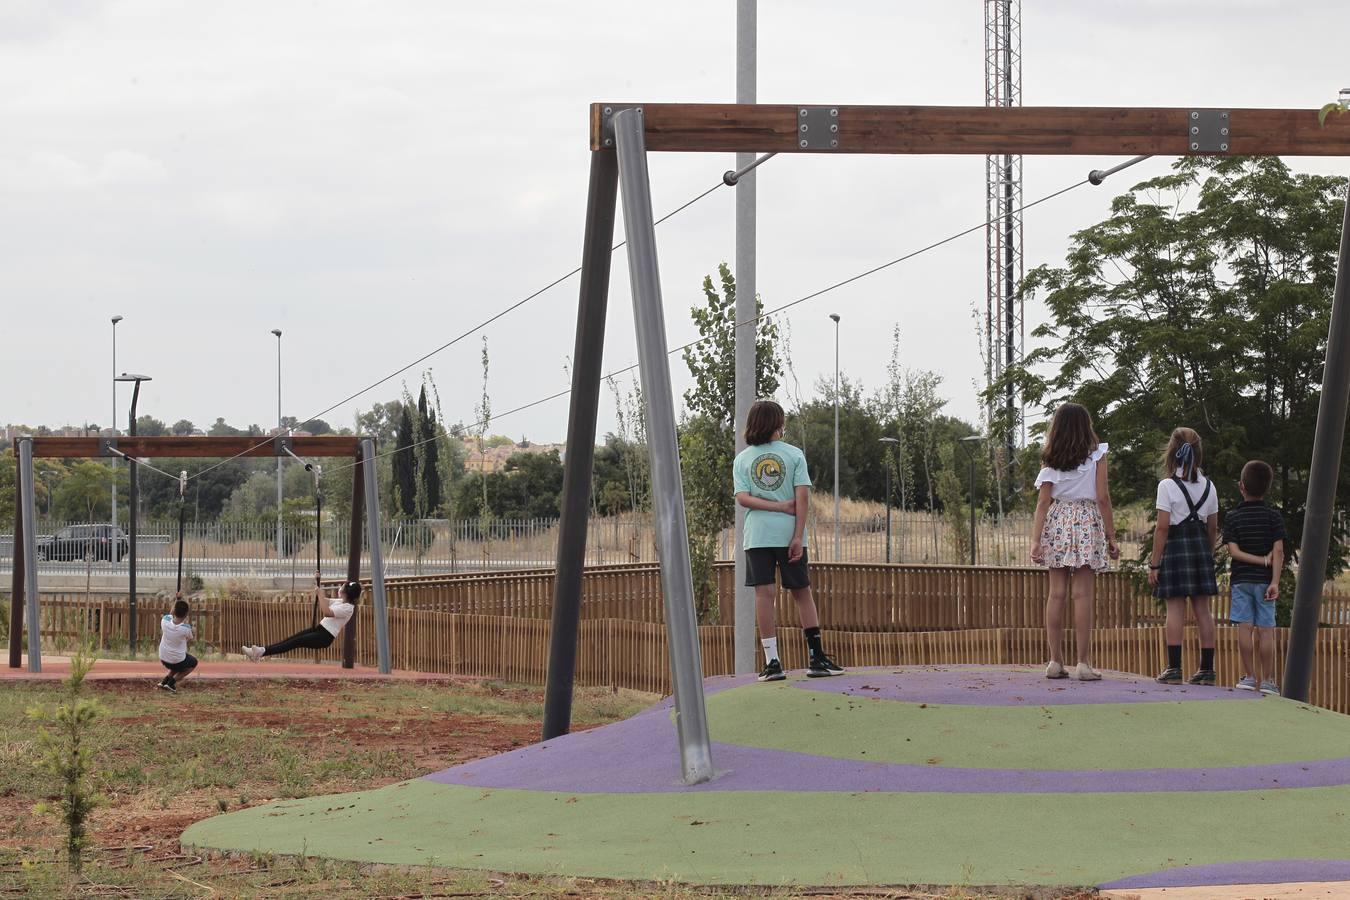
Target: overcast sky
375 177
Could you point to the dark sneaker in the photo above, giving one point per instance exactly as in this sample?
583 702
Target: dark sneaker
823 667
166 686
1169 676
1204 677
773 671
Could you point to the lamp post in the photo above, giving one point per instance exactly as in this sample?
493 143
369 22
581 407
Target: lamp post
277 332
890 443
131 514
115 320
968 443
837 554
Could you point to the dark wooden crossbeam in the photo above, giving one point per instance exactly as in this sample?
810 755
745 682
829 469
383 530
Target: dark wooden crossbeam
176 446
1065 131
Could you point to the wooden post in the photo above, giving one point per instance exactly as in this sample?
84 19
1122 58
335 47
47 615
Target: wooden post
16 598
354 556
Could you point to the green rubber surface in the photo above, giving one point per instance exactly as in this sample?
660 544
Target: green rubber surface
779 838
1091 736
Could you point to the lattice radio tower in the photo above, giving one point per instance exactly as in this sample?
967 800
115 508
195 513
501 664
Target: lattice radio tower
1004 332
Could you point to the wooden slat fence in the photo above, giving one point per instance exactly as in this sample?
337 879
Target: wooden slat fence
67 619
850 596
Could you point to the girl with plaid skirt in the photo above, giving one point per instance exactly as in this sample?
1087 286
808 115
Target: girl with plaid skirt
1182 565
1074 532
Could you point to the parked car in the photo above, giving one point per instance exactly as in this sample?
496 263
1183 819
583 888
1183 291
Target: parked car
78 541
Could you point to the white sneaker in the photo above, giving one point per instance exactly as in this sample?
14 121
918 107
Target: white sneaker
1055 670
253 654
1084 672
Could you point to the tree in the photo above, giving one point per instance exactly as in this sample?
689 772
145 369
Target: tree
484 412
149 426
84 494
1203 300
428 468
183 427
404 463
712 361
220 429
315 426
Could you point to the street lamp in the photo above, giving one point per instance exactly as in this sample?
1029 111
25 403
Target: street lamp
277 332
890 443
968 443
131 515
115 320
837 554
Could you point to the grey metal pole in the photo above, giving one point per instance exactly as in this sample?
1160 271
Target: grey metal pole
131 529
277 332
972 507
888 510
113 461
743 638
30 553
672 537
587 356
1322 478
838 556
376 556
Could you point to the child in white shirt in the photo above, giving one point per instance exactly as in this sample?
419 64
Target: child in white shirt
337 612
175 632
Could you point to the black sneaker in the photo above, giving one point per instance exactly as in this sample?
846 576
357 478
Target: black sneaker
167 686
823 667
1205 677
1169 676
773 671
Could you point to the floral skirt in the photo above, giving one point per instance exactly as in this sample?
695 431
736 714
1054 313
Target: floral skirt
1074 536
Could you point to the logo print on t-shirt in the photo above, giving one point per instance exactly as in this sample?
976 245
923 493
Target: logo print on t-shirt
768 472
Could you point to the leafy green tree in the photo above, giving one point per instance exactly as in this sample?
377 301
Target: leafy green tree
183 427
428 457
149 426
84 494
529 486
221 429
316 426
712 362
1203 300
66 752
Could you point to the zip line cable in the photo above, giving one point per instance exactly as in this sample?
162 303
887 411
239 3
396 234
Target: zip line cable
474 330
811 296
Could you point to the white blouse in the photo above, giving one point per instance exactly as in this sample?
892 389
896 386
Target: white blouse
1174 504
1073 484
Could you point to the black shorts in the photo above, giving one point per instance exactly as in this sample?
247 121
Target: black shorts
761 561
187 665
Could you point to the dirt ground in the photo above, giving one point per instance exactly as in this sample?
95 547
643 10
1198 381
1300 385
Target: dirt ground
164 761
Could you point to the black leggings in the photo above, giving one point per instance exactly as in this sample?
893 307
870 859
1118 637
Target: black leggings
316 638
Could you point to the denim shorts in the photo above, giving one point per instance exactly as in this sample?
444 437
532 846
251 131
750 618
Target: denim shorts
1251 606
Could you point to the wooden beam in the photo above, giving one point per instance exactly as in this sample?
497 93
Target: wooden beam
184 447
1065 131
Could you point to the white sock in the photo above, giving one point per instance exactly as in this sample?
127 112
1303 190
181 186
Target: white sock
770 649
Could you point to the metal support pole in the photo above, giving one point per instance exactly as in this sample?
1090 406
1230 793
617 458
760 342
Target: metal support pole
672 537
353 555
25 485
132 519
1322 478
972 507
280 545
587 355
376 557
17 591
888 510
743 638
838 554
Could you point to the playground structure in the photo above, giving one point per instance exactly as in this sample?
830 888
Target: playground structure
621 135
25 575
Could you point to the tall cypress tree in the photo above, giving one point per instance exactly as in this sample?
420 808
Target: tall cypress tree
405 465
428 455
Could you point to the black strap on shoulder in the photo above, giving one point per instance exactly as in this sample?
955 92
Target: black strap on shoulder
1194 505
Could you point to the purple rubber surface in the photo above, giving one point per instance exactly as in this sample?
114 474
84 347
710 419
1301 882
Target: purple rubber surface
1003 687
1273 871
639 755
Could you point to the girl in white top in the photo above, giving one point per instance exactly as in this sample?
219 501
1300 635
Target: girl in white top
1073 532
1182 565
337 612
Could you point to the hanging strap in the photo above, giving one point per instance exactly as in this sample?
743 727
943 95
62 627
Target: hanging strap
182 523
1194 506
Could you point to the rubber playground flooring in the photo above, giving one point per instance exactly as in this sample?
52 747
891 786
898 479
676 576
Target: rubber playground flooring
908 775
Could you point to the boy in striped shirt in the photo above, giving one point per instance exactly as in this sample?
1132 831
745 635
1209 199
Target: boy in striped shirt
1254 533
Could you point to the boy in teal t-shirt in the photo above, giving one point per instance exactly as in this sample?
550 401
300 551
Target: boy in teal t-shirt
770 479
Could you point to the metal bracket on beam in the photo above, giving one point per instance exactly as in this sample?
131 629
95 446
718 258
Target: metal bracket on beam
607 119
818 127
282 445
107 446
1207 131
